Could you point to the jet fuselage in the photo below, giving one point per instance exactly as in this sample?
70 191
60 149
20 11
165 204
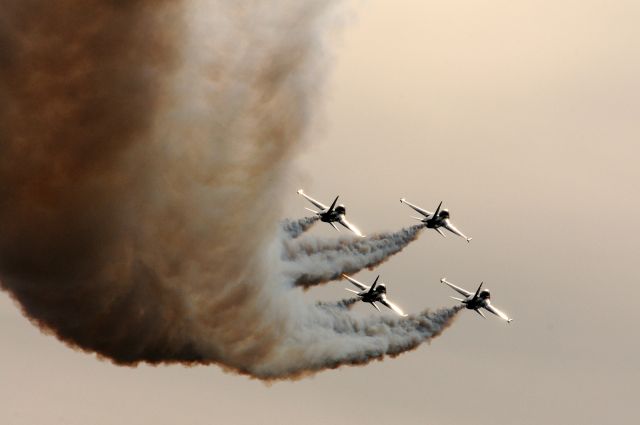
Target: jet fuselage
478 302
481 299
440 220
433 223
333 215
373 296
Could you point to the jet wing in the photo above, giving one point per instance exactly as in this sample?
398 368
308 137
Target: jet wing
450 227
456 288
313 201
497 312
350 226
417 208
356 283
392 306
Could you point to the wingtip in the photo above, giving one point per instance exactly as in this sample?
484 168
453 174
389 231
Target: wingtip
469 240
402 200
443 280
300 191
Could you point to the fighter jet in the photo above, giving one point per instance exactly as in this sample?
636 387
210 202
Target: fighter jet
440 218
481 299
374 294
333 214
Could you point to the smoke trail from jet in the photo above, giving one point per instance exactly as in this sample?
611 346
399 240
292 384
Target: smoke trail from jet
335 338
342 304
294 228
139 139
313 261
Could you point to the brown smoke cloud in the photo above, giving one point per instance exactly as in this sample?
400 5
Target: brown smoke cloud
143 145
81 83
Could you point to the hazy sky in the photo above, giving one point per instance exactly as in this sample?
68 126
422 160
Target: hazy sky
522 116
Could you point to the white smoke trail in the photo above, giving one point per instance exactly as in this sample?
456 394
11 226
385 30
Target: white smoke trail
347 303
294 228
329 337
313 261
326 335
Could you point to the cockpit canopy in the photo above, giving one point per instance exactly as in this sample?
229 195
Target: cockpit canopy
485 294
340 209
444 213
381 288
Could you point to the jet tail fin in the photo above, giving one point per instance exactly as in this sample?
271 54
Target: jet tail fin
435 214
375 282
334 203
481 314
335 227
457 299
313 211
475 296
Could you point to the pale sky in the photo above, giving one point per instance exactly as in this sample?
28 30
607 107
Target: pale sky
522 116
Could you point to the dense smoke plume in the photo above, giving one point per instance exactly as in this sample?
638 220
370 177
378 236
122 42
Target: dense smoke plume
143 148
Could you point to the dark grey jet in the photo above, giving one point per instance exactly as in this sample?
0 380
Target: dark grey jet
333 214
374 294
481 299
441 218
